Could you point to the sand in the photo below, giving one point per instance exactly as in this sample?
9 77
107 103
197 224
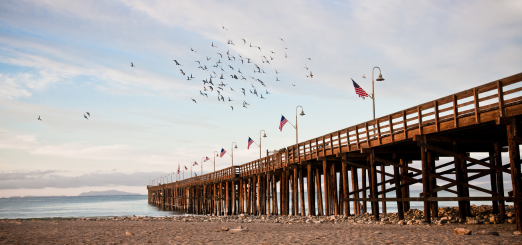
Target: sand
175 232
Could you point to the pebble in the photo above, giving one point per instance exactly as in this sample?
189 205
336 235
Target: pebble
517 233
129 233
224 228
461 231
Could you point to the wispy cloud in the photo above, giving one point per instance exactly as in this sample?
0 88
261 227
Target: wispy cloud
50 178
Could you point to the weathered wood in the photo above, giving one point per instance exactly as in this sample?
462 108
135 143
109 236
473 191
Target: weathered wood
355 186
344 175
301 192
516 176
398 191
500 180
319 193
309 186
373 184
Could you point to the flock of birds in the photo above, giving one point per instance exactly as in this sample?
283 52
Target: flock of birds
223 66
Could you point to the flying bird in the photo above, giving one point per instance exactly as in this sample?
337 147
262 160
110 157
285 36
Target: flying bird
224 27
309 58
232 107
39 118
85 117
208 58
213 45
194 101
177 63
363 76
306 67
198 62
244 41
293 84
132 64
182 72
282 40
192 50
88 114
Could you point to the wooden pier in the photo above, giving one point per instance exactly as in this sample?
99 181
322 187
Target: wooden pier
377 155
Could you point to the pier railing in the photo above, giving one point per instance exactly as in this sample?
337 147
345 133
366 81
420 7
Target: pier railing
488 102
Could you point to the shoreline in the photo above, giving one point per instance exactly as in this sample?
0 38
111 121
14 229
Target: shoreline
480 215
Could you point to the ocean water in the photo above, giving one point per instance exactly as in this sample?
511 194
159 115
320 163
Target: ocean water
110 206
78 206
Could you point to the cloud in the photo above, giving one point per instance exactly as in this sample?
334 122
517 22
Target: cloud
50 178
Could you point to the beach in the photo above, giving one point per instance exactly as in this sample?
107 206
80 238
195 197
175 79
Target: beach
254 230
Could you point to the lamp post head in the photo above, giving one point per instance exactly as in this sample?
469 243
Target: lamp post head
235 146
380 78
264 136
217 155
302 113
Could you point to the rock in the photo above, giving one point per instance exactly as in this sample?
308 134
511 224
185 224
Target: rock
492 219
241 215
377 232
224 228
401 222
410 222
517 233
511 221
485 232
461 231
385 222
240 228
472 222
129 233
509 215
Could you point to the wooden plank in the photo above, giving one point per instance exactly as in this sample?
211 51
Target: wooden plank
405 123
500 99
390 123
455 111
476 102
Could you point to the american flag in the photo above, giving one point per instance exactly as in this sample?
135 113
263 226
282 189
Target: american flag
282 123
195 163
222 152
186 168
250 141
358 90
178 169
207 159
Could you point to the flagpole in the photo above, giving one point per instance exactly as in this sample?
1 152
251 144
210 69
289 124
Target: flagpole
232 146
260 143
202 165
215 160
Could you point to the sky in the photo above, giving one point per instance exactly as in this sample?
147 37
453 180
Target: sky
61 59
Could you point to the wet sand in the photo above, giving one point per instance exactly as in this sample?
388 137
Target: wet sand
180 232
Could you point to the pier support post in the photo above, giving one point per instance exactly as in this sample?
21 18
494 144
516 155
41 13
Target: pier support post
516 176
500 180
425 185
373 186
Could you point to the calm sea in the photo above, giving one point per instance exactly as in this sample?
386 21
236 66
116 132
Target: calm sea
78 206
109 206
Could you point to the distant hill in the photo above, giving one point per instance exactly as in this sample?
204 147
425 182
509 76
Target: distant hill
108 193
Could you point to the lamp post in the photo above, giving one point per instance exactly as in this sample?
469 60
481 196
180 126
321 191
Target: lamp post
264 136
232 155
302 114
373 94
